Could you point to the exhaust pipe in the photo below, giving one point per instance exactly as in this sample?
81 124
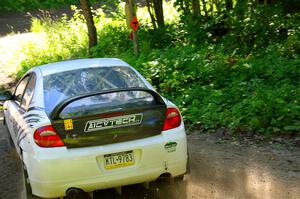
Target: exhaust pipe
75 193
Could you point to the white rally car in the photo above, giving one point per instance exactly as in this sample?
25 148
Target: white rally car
92 124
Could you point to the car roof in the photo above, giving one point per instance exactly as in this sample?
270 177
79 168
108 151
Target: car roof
69 65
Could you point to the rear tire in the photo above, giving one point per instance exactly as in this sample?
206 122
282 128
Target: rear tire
179 178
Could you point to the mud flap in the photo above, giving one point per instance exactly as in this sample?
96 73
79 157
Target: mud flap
188 166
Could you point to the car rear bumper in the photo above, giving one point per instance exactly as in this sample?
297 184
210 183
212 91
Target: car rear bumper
53 172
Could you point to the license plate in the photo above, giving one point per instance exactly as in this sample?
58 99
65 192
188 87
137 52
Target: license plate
117 160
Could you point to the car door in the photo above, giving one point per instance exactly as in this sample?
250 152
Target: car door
19 105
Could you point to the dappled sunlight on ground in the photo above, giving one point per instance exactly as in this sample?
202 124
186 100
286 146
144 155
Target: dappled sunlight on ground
261 183
233 171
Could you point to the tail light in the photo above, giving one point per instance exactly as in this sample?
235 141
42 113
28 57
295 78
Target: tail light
47 137
172 120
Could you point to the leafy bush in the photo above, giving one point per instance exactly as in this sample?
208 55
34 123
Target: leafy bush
24 5
223 74
247 28
59 40
113 39
258 94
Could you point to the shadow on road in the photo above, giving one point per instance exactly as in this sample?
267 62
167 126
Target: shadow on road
11 184
218 170
21 22
157 190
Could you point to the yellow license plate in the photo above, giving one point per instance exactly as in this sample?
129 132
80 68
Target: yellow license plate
117 160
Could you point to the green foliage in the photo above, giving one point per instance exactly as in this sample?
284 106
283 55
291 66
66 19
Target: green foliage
57 40
234 71
247 28
24 5
258 93
115 35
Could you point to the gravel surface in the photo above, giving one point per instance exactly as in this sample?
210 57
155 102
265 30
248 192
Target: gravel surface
224 169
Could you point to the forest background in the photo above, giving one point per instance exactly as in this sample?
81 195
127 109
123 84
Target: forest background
228 64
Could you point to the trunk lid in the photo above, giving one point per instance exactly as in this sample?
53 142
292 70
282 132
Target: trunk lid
109 117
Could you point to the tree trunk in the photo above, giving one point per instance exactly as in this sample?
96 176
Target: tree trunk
229 5
159 12
211 7
196 7
151 15
132 12
204 7
87 13
218 5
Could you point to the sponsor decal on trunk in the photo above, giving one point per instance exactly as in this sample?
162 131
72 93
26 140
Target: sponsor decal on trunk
113 122
171 146
68 124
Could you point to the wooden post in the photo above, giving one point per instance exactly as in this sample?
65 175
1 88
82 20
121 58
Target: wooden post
87 13
196 7
131 14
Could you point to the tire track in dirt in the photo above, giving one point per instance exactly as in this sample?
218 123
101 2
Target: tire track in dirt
11 178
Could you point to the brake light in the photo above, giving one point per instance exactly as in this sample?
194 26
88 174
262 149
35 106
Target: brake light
47 137
172 120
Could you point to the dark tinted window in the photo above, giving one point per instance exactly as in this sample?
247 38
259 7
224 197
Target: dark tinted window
108 103
58 87
28 92
20 90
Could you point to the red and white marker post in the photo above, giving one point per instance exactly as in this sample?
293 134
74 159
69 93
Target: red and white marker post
132 22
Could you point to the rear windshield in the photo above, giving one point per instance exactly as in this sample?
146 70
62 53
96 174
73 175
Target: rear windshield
110 102
58 87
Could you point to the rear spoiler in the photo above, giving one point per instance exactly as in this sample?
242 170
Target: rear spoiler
59 108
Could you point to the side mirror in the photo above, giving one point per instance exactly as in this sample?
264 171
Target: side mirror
5 95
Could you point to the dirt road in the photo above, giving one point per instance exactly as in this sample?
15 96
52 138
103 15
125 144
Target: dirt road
219 169
10 169
17 22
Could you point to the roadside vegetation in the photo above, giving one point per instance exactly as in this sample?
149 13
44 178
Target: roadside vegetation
26 5
232 67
